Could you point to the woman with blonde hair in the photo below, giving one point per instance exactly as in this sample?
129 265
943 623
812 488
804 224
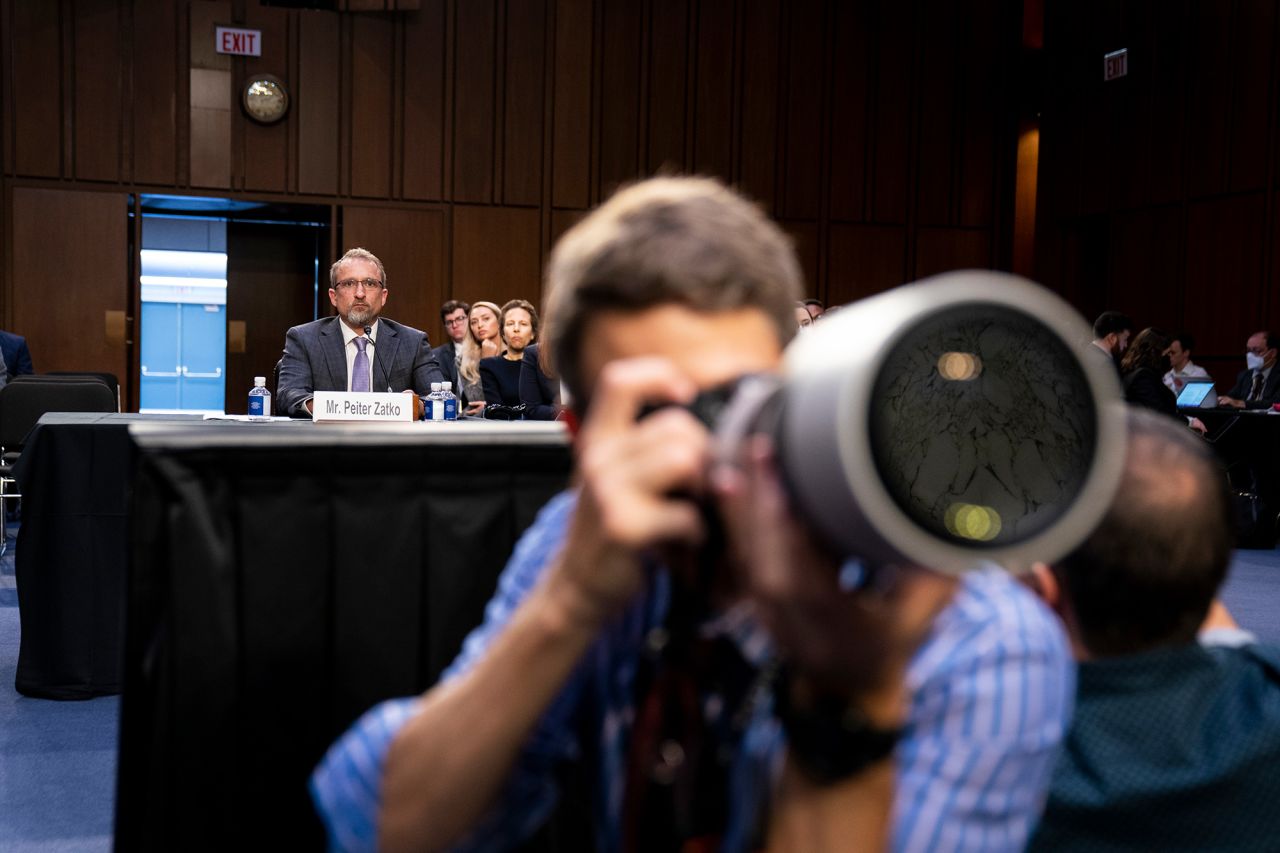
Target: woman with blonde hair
483 340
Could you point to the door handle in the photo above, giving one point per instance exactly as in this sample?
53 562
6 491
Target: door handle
161 374
217 373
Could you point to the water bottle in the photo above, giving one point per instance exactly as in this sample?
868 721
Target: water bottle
259 400
450 401
435 403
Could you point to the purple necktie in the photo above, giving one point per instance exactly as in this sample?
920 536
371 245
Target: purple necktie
360 370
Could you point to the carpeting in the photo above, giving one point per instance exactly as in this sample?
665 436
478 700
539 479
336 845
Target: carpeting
57 759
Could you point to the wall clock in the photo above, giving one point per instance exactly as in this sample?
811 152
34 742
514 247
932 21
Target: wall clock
265 98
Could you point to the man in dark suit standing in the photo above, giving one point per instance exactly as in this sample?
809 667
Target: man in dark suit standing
17 358
454 315
357 350
1258 385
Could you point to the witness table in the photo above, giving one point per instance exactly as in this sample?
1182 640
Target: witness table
74 475
283 582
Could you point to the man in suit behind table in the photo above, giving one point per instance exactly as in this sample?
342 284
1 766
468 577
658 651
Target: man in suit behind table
357 350
1258 385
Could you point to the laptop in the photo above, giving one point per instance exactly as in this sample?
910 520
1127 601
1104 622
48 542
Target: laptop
1197 393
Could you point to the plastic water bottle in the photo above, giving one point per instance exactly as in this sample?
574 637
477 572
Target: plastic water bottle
450 401
259 400
435 403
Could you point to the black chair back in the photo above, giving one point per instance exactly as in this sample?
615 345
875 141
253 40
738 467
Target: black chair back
108 378
25 398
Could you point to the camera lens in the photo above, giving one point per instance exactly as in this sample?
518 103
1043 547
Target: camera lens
982 425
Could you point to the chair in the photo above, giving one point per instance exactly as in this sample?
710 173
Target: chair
23 400
109 378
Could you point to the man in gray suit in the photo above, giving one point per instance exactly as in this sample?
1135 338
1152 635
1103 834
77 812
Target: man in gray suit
356 350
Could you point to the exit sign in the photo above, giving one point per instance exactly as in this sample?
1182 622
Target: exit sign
237 42
1115 64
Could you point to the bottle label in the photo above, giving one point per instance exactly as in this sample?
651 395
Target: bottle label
255 405
451 408
437 410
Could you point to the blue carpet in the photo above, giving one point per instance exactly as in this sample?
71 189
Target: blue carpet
58 761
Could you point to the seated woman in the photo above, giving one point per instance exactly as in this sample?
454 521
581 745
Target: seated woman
500 375
539 391
1145 362
481 342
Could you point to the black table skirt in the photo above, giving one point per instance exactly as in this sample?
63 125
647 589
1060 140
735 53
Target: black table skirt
279 591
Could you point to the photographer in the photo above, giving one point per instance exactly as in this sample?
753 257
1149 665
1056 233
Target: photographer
622 634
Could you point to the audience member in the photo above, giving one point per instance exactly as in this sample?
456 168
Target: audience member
1257 386
803 318
671 286
1111 333
358 350
449 354
1143 363
1181 366
500 375
485 329
815 308
17 358
539 390
1175 743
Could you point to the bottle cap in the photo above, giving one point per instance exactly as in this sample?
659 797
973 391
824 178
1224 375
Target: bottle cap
446 386
260 380
435 386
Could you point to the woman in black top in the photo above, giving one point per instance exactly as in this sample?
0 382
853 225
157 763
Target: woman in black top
1143 367
500 375
539 391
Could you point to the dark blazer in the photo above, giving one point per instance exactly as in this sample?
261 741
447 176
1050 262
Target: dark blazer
17 358
500 378
1270 388
445 355
315 360
1144 387
537 390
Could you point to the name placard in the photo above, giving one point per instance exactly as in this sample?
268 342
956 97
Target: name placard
337 406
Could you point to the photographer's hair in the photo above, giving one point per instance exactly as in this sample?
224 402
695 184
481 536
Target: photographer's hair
1146 577
1146 350
689 241
1111 321
451 306
518 303
357 254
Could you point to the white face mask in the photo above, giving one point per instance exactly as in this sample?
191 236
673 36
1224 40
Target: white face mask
1253 360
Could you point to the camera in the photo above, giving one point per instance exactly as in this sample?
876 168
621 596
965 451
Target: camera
945 423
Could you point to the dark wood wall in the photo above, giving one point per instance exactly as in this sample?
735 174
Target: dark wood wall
1157 191
459 139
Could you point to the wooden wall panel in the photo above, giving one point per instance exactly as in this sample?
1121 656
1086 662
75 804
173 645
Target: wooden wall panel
571 165
523 110
849 113
1252 104
713 106
265 148
480 269
942 35
474 101
154 103
1225 296
424 101
411 246
98 101
37 92
620 102
941 249
892 125
668 87
865 259
75 241
317 111
759 98
802 118
372 107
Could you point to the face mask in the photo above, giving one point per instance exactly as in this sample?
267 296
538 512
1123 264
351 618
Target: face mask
1253 360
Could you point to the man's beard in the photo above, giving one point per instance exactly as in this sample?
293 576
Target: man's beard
361 315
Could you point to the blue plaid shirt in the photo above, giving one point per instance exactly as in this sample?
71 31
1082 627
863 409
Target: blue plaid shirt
991 699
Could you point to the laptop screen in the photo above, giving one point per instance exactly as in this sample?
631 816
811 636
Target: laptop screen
1194 394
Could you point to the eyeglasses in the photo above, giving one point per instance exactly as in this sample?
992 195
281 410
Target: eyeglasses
366 283
456 321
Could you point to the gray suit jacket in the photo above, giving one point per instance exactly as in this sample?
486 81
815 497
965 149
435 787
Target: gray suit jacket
314 360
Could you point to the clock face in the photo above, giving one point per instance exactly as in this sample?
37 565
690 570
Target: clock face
265 99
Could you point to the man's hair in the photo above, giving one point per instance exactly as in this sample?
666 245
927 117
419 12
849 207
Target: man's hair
687 241
357 254
1109 322
1273 338
1146 577
1146 350
1184 340
451 306
518 303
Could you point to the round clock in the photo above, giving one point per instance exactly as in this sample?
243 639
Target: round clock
265 98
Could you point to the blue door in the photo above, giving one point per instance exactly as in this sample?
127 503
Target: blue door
161 356
183 352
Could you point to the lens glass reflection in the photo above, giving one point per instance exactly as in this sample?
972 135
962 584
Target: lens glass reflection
982 425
